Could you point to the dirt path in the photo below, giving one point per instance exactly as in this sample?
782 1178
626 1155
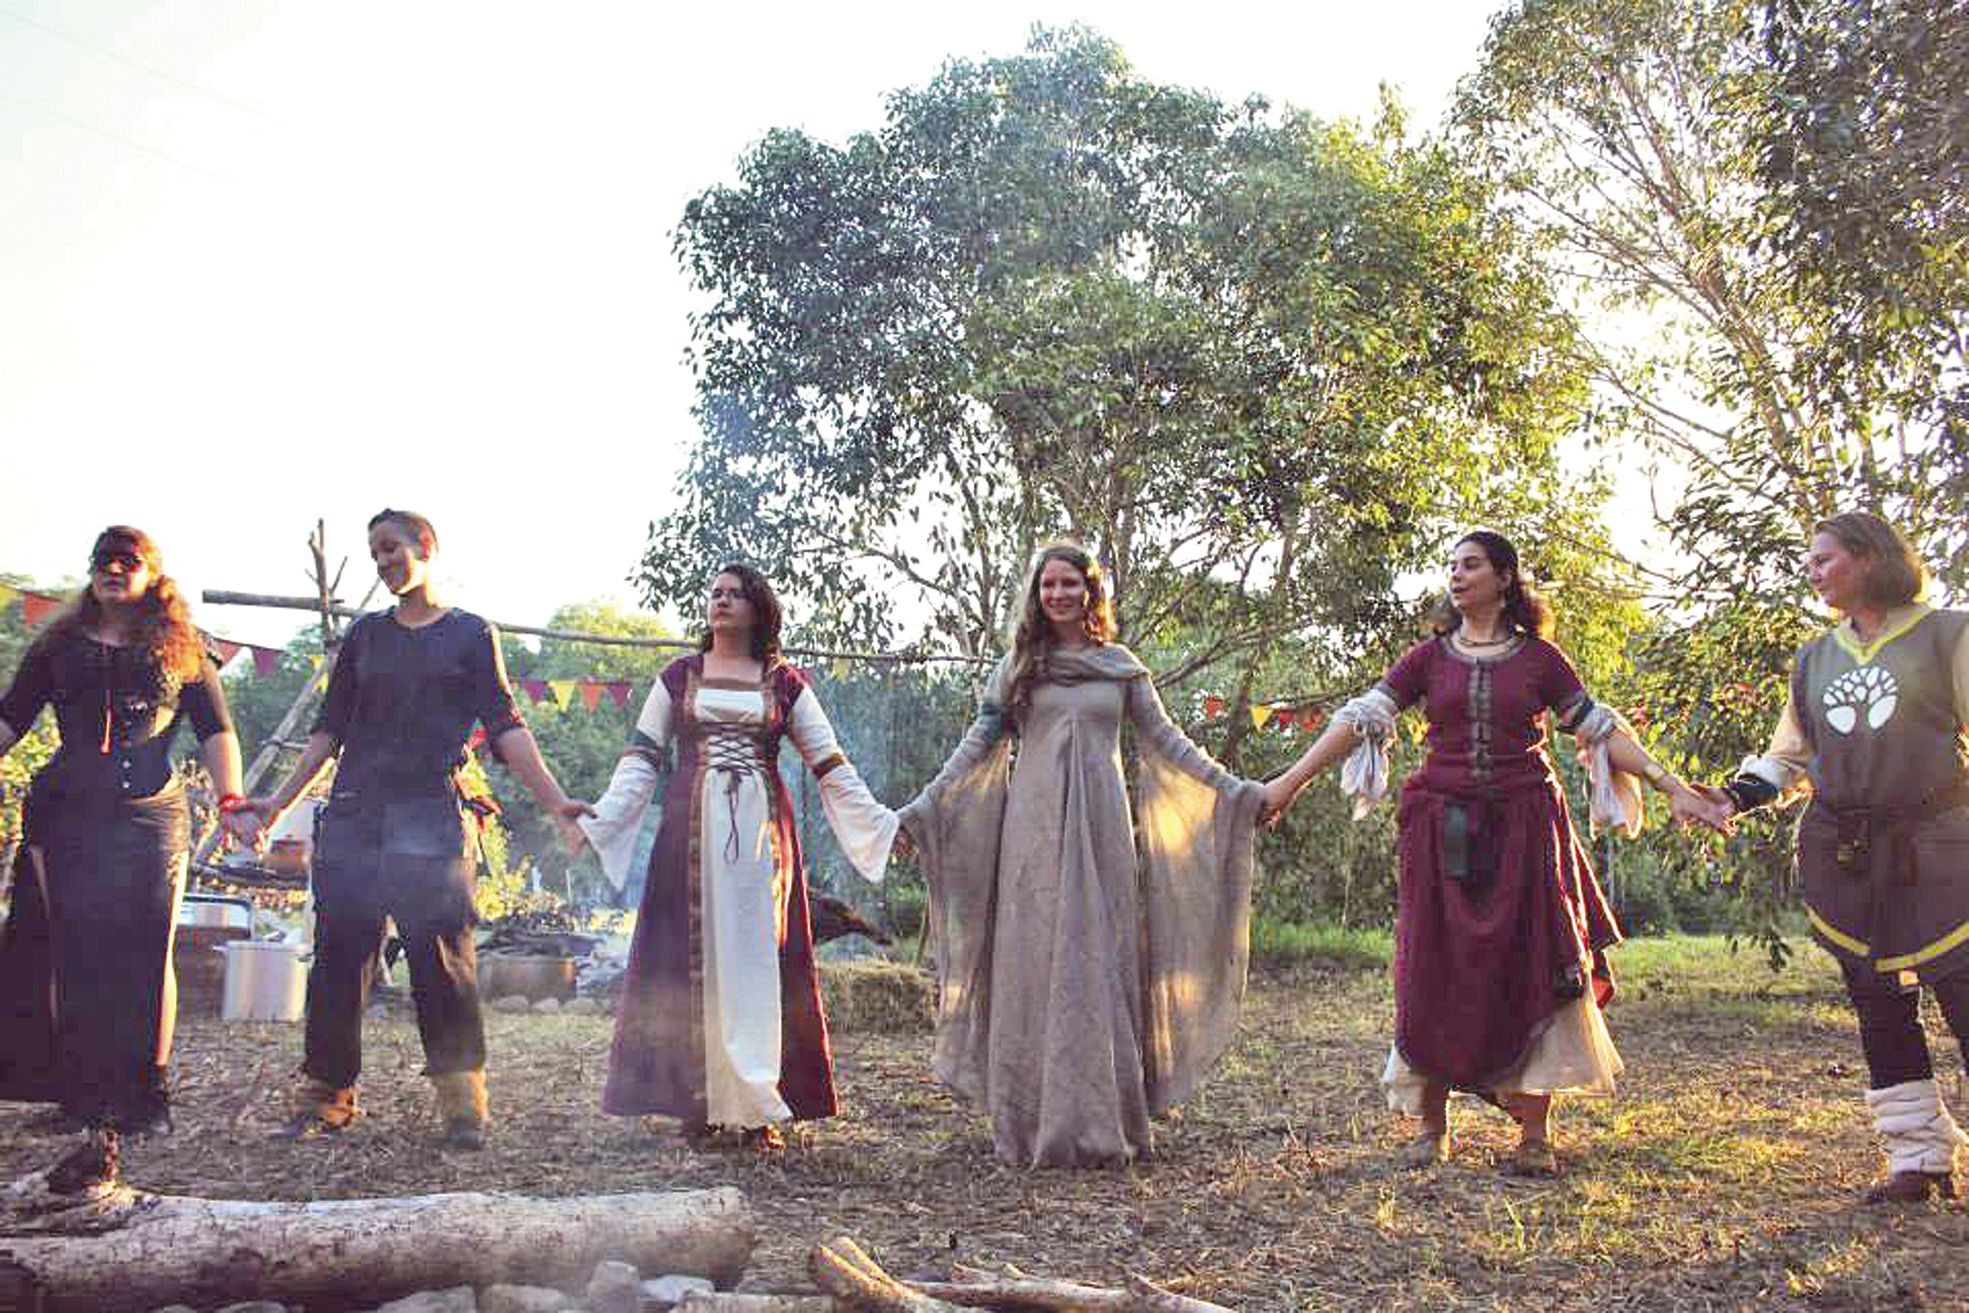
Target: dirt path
1721 1179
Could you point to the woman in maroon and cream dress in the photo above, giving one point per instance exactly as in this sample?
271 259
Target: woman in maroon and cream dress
720 1023
1501 926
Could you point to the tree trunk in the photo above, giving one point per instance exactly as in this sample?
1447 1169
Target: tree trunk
119 1249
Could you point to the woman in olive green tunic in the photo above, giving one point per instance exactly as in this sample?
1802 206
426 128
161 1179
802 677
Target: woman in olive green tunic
1875 727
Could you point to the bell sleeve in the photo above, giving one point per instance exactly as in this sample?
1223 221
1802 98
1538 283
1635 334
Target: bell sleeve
863 826
1197 830
619 812
955 823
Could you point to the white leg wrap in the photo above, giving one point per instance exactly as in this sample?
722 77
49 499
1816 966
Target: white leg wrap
1915 1127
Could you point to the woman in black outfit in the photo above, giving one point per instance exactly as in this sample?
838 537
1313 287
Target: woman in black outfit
87 953
407 686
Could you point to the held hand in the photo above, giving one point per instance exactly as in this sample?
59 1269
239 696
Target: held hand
1693 805
572 809
1723 807
1278 796
248 823
904 847
573 838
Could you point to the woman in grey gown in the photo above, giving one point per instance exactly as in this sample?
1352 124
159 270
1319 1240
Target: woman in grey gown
1082 988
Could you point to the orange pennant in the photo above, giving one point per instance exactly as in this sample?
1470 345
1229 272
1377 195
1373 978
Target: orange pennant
591 693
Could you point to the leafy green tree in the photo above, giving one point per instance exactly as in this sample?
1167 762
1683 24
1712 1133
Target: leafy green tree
1216 342
1864 147
582 744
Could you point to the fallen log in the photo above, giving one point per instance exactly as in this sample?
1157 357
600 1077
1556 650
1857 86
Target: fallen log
114 1249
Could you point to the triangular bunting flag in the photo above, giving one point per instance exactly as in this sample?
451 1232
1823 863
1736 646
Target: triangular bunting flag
8 593
563 692
840 668
591 693
1260 713
224 649
266 660
314 661
38 610
535 689
1213 707
619 690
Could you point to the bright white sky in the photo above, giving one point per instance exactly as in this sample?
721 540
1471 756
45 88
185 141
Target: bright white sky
264 261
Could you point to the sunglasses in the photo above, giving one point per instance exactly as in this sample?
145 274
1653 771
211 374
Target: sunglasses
130 561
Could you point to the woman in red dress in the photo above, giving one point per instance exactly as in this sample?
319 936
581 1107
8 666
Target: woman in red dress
1500 925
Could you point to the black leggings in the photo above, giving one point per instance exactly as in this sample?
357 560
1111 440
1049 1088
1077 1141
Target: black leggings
1890 1022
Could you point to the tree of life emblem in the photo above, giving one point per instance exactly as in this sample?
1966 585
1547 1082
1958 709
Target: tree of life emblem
1866 690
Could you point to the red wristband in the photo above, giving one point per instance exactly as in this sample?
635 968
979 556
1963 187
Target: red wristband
230 803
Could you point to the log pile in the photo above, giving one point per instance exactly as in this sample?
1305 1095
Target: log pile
857 1284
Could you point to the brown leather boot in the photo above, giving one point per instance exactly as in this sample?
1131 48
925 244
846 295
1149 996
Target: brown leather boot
462 1105
319 1109
1911 1188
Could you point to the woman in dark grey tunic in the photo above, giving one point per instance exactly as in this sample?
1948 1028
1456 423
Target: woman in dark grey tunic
407 687
1875 725
85 962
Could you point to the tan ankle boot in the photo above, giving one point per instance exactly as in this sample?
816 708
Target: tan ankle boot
319 1109
462 1106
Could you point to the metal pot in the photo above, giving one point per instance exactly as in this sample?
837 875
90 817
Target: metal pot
265 981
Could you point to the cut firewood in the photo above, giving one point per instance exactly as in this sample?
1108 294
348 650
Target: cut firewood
722 1301
843 1270
114 1249
988 1291
979 1288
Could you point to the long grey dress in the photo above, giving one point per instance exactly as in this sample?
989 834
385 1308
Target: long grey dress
1082 987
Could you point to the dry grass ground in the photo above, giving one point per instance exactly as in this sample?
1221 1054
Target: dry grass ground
1722 1178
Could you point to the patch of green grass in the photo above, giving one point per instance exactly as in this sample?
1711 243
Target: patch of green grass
1714 965
1276 943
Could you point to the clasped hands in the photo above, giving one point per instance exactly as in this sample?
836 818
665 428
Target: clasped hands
246 822
1705 805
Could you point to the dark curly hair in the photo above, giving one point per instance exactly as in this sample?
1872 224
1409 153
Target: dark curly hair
163 630
1524 609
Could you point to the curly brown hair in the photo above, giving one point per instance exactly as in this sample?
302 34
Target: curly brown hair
1033 640
163 629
